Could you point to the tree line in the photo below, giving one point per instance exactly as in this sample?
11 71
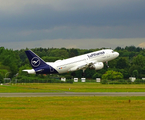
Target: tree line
130 63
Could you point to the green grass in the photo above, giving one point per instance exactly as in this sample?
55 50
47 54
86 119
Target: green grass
72 108
75 87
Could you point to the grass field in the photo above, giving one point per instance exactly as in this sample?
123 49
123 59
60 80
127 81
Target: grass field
75 87
72 108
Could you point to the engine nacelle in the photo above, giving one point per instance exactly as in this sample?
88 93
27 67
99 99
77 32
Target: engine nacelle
97 66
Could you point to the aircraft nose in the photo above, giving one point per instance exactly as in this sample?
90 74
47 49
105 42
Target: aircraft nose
117 54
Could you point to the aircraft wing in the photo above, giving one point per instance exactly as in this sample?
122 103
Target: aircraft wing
91 63
78 67
83 66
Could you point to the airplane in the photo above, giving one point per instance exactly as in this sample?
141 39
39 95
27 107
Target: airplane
90 60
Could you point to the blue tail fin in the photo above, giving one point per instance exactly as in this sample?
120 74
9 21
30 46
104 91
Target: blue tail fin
39 65
35 60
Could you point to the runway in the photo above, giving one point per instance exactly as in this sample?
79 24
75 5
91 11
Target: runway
72 94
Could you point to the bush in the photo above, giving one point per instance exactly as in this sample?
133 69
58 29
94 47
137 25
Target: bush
121 81
69 81
39 79
139 81
104 81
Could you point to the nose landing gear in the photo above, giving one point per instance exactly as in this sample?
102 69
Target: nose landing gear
83 74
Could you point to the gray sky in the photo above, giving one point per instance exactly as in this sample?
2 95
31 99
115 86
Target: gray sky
81 24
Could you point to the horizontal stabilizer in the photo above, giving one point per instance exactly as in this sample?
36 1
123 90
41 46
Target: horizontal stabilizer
32 71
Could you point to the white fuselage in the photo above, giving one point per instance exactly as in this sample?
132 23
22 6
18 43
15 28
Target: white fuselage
83 61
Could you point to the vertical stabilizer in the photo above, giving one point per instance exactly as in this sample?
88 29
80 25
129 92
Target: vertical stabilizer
35 60
39 65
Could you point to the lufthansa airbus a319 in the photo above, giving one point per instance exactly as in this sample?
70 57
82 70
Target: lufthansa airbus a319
92 60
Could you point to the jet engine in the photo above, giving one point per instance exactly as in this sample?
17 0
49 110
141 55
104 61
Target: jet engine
97 66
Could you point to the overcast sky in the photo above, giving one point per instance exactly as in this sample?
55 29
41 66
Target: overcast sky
84 24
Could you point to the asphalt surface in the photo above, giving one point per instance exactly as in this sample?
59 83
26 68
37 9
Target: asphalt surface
72 94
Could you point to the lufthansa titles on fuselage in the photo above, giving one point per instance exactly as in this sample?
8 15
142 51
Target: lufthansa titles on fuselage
96 54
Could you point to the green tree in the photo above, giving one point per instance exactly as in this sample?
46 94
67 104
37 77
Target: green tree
139 60
50 59
130 48
135 73
135 67
89 73
61 53
12 63
97 75
10 59
122 63
1 78
125 73
73 52
112 75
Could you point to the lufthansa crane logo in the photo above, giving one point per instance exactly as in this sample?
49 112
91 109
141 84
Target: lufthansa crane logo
35 62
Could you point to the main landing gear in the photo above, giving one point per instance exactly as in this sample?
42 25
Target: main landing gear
107 64
83 74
